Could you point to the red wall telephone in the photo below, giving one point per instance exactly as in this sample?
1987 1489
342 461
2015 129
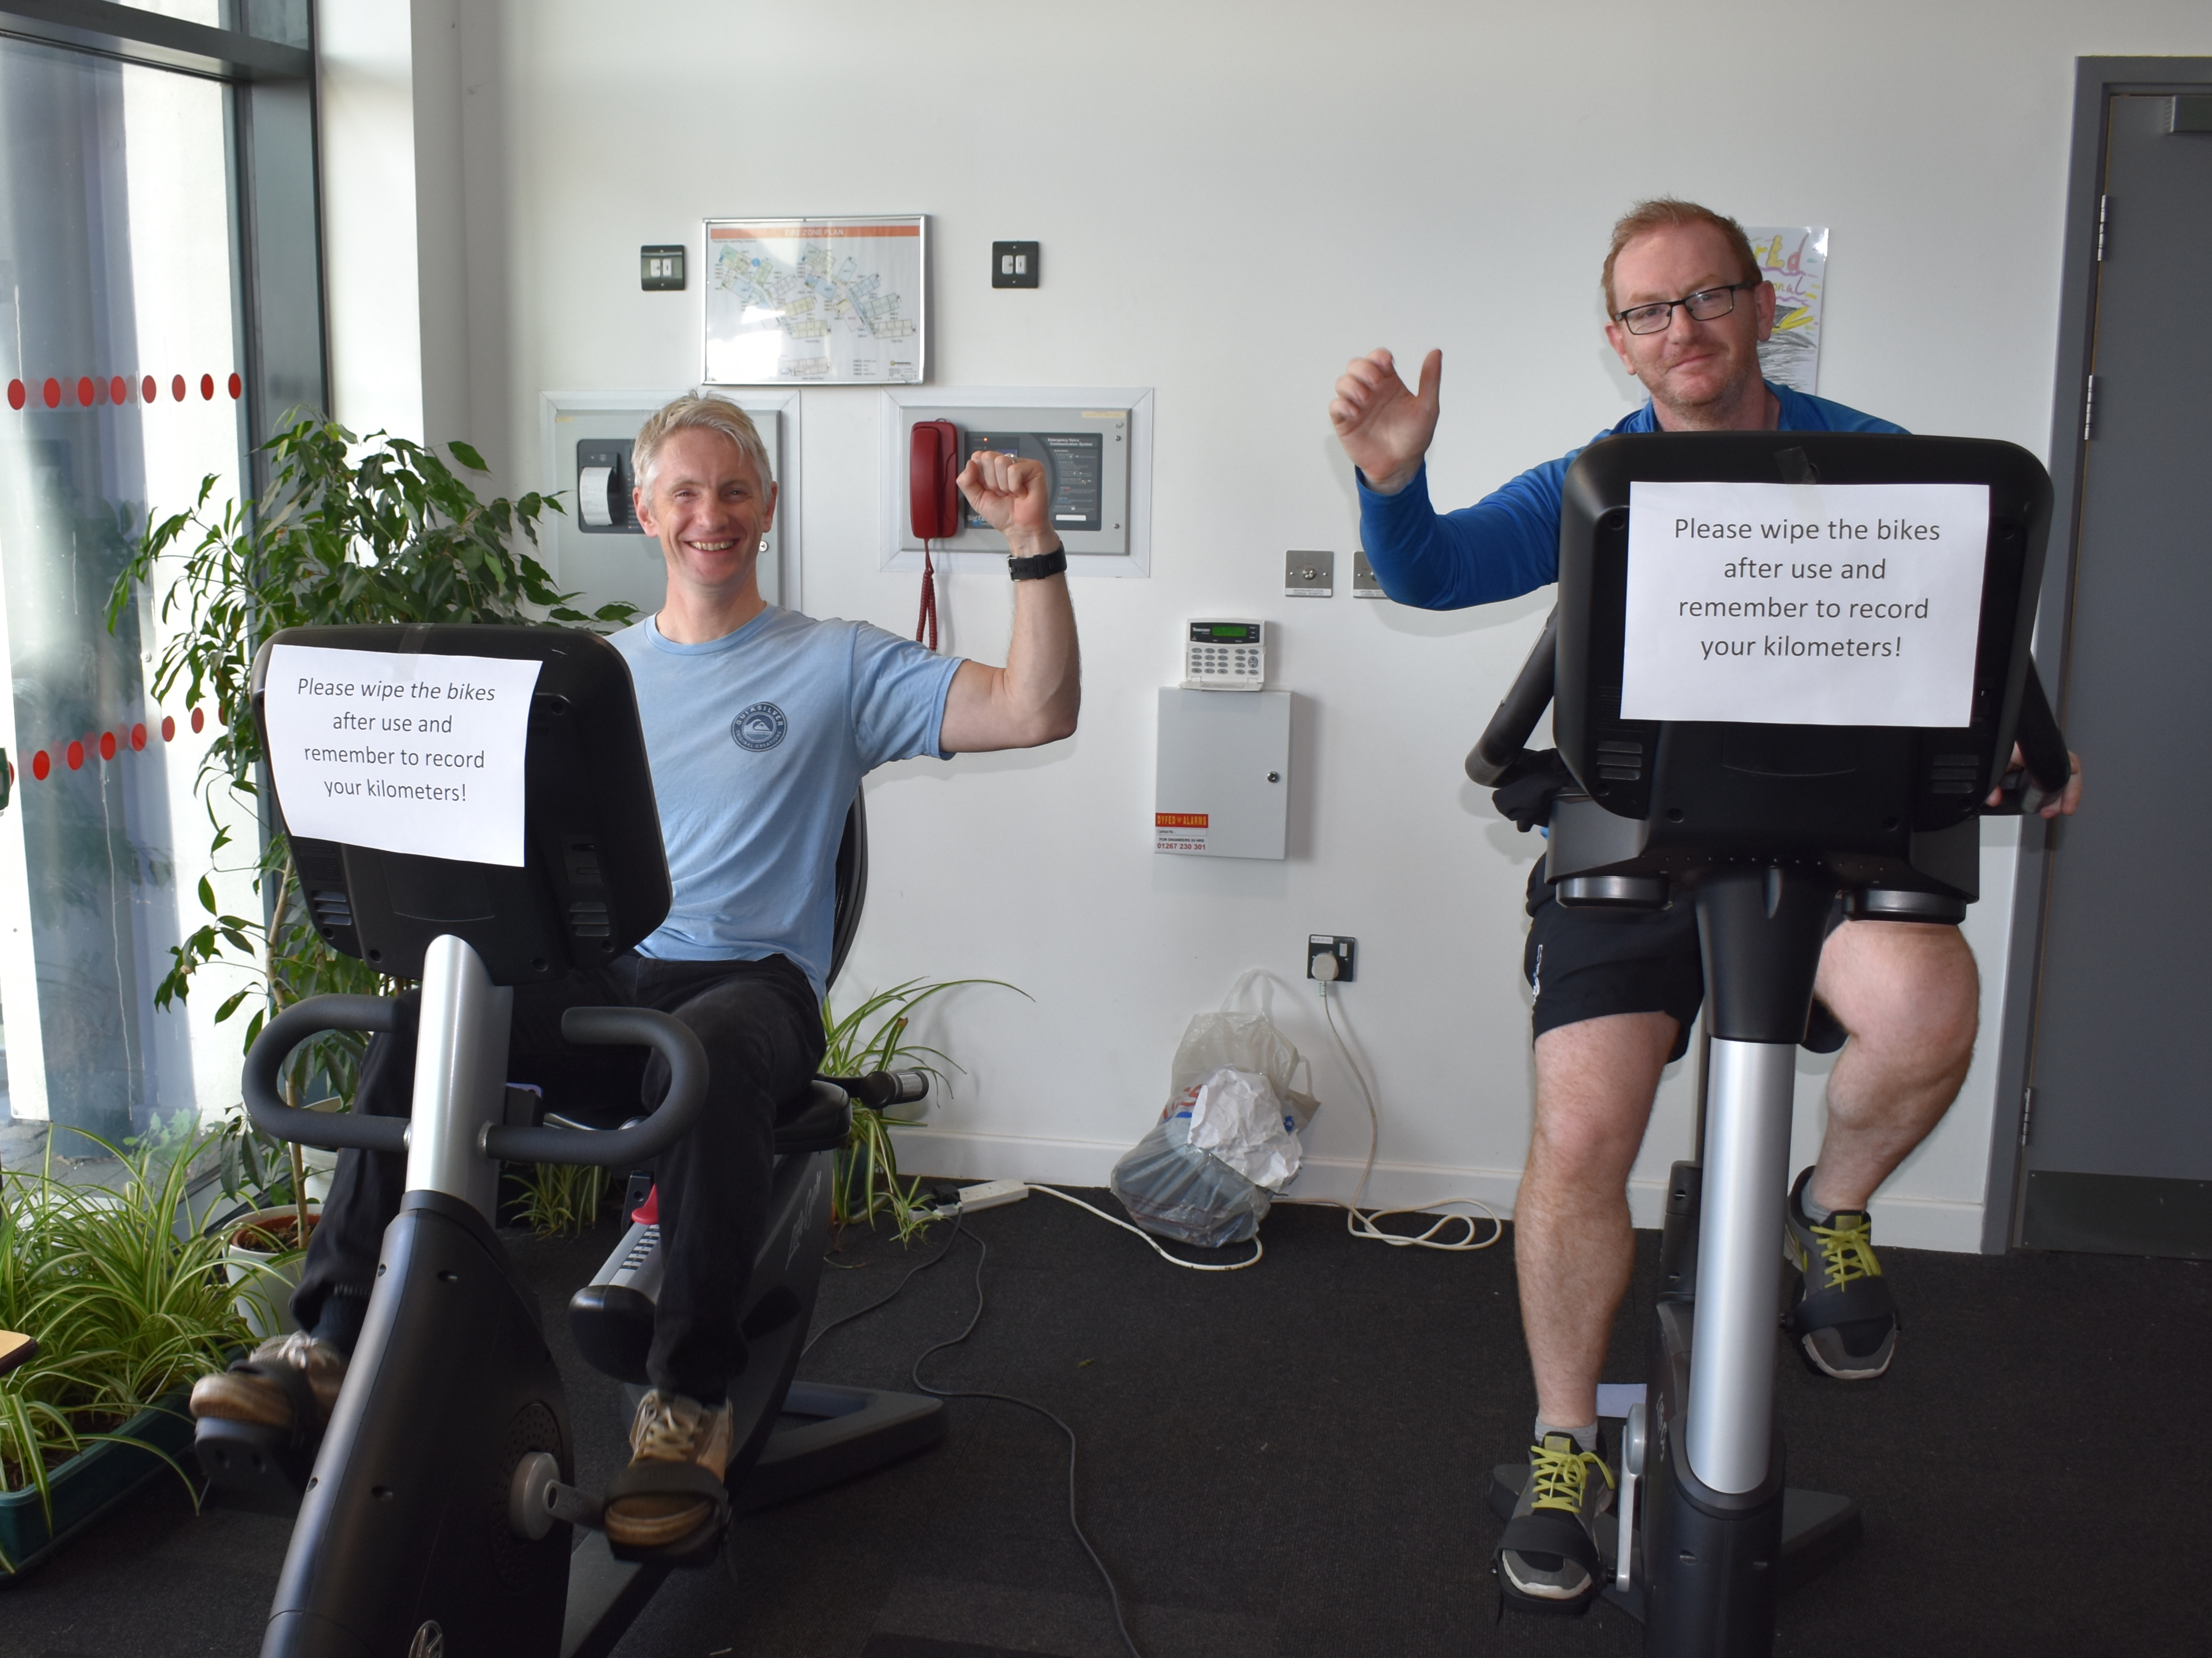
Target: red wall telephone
932 463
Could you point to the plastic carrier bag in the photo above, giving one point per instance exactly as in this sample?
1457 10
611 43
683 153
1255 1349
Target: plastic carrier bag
1229 1133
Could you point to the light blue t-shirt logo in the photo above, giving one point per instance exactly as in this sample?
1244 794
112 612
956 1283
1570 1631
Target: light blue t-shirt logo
761 726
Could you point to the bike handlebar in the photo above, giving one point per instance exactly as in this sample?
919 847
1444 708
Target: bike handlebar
332 1130
598 1026
679 1108
1504 739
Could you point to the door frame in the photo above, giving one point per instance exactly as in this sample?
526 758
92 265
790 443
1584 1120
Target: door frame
2095 82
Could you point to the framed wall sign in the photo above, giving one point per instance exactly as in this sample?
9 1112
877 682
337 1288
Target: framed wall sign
818 302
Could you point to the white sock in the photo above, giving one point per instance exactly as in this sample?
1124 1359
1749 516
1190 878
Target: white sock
1585 1438
1806 1202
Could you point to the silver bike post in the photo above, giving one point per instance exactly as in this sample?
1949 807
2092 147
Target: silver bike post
460 1076
1731 1410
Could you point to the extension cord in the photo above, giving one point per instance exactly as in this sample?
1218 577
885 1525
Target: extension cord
990 1194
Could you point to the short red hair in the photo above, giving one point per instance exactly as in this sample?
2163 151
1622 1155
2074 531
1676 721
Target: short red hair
1667 213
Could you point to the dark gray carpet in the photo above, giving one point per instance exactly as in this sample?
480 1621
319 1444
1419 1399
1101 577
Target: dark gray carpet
1289 1463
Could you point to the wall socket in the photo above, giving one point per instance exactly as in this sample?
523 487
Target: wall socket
1308 575
1347 951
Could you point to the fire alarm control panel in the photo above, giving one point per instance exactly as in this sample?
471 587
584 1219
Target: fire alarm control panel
1224 656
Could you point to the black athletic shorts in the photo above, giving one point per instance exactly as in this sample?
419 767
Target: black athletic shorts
1585 964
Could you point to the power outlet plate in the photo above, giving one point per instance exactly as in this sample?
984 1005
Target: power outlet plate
1347 951
1308 575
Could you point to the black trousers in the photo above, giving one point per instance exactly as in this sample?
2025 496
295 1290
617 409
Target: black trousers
761 1029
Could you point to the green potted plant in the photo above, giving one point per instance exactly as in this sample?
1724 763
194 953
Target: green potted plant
867 1177
347 531
126 1303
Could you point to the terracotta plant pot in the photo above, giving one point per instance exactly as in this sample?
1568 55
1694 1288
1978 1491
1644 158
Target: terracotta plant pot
262 1256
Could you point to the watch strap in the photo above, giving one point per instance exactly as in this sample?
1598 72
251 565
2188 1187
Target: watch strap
1037 565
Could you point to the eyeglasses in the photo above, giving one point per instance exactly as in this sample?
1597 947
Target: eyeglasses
1704 306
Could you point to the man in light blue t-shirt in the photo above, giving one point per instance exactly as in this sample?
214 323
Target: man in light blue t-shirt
759 724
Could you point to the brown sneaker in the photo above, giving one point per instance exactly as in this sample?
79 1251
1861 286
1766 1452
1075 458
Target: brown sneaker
673 1485
283 1377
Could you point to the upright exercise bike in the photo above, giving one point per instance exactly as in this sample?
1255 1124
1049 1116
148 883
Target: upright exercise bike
439 1512
1760 827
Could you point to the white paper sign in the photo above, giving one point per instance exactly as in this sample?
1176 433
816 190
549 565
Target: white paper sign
405 753
1813 604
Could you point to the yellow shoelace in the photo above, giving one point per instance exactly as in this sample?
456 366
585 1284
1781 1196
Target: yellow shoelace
1559 1476
1847 1252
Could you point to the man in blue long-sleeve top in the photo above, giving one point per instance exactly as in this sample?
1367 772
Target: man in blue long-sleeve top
1616 992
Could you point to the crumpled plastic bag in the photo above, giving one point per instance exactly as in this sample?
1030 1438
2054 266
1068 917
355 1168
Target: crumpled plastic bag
1229 1133
1235 1116
1171 1187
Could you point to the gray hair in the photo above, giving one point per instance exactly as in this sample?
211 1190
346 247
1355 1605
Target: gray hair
692 414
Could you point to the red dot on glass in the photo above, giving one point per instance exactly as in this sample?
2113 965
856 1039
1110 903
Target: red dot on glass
199 719
237 386
107 746
207 387
177 388
74 755
118 390
40 765
168 728
18 394
85 391
138 737
150 389
53 394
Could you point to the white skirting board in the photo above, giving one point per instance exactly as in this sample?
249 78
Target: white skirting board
1905 1222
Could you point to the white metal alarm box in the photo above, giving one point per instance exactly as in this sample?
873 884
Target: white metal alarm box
1224 656
1224 775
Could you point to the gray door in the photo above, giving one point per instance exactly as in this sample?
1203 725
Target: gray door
2119 1149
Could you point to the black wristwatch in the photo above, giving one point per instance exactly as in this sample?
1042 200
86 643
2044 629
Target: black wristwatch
1038 565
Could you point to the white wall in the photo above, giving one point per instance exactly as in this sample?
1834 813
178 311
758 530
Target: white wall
1233 200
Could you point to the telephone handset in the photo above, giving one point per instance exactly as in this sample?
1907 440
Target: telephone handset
933 462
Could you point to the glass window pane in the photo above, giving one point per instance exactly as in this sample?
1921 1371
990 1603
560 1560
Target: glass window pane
117 308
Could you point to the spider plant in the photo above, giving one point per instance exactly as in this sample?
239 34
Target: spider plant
867 1178
126 1296
555 1198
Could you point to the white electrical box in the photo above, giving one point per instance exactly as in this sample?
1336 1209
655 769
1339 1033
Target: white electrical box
1224 782
1224 656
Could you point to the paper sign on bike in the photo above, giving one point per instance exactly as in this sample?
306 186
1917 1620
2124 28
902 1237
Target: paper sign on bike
1815 604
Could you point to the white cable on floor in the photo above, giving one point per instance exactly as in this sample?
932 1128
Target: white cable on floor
1361 1222
1258 1248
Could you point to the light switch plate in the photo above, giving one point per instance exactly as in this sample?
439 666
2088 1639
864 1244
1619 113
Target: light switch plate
1309 576
1014 264
660 269
1365 583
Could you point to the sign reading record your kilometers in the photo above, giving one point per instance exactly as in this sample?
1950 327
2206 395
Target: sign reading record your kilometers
402 752
1804 605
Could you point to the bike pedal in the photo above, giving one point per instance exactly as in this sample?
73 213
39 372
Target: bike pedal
251 1466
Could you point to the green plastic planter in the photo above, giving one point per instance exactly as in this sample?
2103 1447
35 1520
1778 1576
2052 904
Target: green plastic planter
85 1486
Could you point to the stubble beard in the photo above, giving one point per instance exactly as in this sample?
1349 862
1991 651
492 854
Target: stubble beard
1704 413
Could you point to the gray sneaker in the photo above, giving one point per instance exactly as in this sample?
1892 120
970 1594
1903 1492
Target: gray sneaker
1547 1558
1844 1316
